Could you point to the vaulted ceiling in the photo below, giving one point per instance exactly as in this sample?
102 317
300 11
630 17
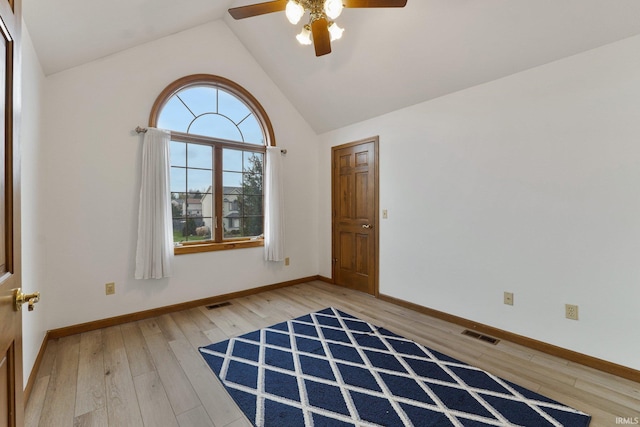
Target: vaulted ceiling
387 59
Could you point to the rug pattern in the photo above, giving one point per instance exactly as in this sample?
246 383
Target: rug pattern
332 369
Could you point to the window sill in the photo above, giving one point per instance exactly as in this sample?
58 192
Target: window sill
210 246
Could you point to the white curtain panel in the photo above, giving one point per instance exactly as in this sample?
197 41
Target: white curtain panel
154 253
274 207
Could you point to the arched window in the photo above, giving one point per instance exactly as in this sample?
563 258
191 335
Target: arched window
219 135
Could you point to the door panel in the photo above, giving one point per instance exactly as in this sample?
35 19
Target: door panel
361 198
344 191
11 393
347 248
362 252
355 210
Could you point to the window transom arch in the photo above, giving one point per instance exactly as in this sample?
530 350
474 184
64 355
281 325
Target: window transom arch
189 104
219 135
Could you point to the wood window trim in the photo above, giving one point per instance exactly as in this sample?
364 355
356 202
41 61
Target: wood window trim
258 111
199 247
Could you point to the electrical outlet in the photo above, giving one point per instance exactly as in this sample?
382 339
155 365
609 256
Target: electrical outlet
385 214
287 261
571 311
508 298
110 288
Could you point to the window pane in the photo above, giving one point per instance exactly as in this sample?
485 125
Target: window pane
251 131
177 205
232 226
178 153
215 126
199 99
232 180
239 205
178 227
200 156
232 203
178 180
207 205
191 227
174 116
253 226
232 160
231 211
252 178
252 205
204 231
199 181
194 206
253 162
252 184
232 107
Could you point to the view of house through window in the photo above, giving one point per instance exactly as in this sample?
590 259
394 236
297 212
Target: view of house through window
217 160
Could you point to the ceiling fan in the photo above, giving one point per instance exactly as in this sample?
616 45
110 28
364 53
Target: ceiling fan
321 27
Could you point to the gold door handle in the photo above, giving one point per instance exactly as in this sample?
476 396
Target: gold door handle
21 298
366 225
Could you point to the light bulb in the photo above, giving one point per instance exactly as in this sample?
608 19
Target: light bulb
305 35
333 8
335 31
294 11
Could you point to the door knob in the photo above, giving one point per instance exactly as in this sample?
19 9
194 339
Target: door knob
366 225
21 298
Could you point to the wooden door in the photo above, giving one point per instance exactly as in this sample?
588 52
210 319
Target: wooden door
11 394
355 215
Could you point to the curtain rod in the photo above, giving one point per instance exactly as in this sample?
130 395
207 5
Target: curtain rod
139 129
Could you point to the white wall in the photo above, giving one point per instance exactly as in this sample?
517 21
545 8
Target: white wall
528 184
92 177
33 248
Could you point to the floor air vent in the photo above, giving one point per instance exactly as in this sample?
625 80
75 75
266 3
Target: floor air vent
481 337
214 306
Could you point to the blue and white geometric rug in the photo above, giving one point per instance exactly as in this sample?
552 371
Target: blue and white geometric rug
332 369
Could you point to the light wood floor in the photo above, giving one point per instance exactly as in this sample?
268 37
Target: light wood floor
149 373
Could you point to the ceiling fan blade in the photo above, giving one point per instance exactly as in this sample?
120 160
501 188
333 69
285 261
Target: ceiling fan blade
374 3
258 9
321 37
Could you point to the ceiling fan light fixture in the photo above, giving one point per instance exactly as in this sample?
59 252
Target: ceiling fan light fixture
304 37
294 11
335 31
333 8
321 29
